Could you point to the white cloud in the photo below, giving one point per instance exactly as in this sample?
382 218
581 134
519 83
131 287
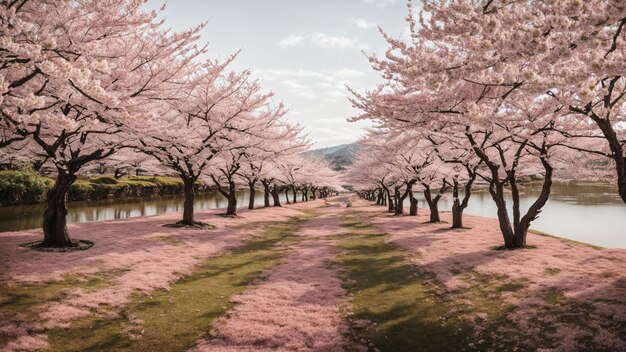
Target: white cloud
380 3
277 73
364 24
337 93
326 41
299 89
290 40
320 39
349 73
325 85
323 78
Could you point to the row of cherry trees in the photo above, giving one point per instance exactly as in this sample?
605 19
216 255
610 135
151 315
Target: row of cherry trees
95 84
496 91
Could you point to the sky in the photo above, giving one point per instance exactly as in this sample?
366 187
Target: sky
305 51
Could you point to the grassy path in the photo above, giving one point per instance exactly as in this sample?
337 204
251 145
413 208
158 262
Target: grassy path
322 281
393 306
298 304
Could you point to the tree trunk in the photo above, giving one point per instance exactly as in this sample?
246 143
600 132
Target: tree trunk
252 195
313 196
287 195
434 212
231 209
458 207
515 236
615 144
535 209
390 205
188 218
433 205
457 210
496 189
275 196
398 209
413 208
457 215
295 199
266 194
401 197
55 232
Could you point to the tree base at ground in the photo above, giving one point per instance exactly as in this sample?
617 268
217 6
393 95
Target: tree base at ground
226 215
76 245
197 225
505 248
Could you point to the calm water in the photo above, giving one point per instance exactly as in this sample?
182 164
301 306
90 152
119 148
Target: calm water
29 216
588 213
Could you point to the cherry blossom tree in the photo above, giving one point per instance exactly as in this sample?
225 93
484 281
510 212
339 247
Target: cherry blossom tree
369 171
258 163
127 162
78 77
573 50
318 174
270 185
513 132
290 175
214 117
256 130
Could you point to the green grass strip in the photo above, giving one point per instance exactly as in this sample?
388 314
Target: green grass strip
174 320
405 312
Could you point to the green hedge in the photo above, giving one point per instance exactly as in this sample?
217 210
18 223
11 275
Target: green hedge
18 187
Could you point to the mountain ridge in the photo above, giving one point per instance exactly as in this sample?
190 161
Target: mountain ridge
340 156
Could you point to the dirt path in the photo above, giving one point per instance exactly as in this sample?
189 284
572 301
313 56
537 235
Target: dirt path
296 307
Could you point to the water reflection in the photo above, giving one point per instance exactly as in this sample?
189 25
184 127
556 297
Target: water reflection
30 216
591 213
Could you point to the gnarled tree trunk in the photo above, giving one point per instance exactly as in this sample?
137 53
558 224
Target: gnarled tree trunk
515 236
458 206
413 207
55 232
266 193
433 202
231 209
252 195
390 204
275 196
618 154
188 210
457 210
230 194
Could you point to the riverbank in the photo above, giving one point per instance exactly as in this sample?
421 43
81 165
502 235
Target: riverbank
18 187
310 277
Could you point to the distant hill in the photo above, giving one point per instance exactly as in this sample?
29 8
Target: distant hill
340 156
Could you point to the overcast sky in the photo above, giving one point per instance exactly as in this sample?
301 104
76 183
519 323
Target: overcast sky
304 51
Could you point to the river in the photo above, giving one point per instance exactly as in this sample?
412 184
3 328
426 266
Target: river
591 213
